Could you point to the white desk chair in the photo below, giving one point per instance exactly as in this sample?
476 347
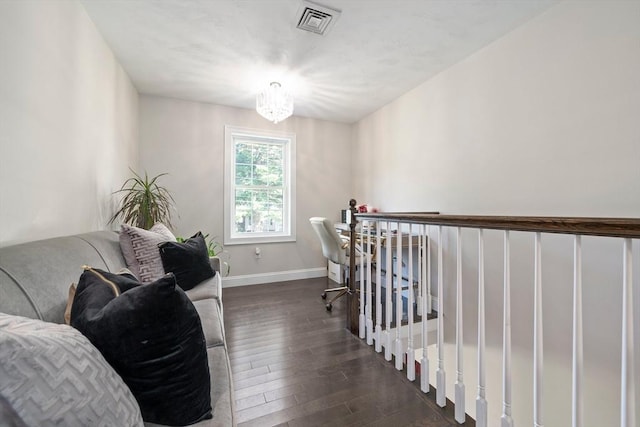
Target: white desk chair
334 248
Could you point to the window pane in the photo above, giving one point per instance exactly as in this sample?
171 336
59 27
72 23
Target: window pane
243 196
243 153
276 153
260 154
260 175
275 174
275 197
274 211
259 211
276 165
243 174
243 210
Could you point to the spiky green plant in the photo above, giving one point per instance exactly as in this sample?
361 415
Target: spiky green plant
144 202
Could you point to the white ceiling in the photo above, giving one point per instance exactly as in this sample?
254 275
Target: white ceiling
223 51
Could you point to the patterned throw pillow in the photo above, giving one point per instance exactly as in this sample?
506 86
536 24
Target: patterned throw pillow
53 376
140 250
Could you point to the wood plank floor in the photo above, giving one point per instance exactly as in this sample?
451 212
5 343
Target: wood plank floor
294 364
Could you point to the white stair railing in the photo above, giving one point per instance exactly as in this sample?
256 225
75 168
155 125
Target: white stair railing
459 386
577 347
627 393
362 322
506 420
411 354
481 401
369 286
388 295
425 284
399 240
378 334
538 365
398 287
441 396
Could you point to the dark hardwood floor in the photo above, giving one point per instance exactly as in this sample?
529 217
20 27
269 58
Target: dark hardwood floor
294 364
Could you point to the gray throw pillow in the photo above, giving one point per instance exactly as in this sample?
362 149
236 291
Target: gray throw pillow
51 375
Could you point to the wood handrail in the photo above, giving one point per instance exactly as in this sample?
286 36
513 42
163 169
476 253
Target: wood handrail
609 227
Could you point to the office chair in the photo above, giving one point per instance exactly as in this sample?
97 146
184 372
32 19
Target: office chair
334 248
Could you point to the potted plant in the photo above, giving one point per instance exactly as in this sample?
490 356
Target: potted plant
144 202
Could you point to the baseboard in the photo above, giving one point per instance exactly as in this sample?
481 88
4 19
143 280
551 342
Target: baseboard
278 276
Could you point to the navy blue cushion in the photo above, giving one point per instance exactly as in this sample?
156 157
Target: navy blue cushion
151 334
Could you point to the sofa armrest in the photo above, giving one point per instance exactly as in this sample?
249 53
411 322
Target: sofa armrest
215 263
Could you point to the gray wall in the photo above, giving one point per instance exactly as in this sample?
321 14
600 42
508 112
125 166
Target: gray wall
544 121
186 140
68 122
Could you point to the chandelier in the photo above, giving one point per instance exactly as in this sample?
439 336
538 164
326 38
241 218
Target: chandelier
274 103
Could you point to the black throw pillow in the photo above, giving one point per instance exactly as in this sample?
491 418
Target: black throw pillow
152 336
189 261
94 290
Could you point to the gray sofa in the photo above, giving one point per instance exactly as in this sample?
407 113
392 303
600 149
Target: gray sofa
35 279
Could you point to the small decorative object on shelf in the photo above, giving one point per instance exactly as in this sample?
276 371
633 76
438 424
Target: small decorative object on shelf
365 208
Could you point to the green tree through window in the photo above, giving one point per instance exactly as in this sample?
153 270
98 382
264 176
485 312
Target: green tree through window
260 194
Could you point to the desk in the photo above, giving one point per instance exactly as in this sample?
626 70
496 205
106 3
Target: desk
345 230
363 237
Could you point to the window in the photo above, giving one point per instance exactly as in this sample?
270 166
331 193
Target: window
259 186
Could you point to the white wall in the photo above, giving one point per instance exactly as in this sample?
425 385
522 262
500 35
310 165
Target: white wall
553 106
186 140
544 121
68 122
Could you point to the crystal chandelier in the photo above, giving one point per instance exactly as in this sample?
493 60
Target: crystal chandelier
274 103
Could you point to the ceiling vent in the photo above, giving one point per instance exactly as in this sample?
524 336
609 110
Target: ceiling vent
316 18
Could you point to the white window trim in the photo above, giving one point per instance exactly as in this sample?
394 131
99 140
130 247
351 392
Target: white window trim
231 132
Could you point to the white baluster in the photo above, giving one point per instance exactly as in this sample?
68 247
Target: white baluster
459 386
368 305
411 355
538 363
481 402
577 365
418 300
378 333
627 387
441 397
388 303
505 419
426 277
427 248
398 342
361 319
